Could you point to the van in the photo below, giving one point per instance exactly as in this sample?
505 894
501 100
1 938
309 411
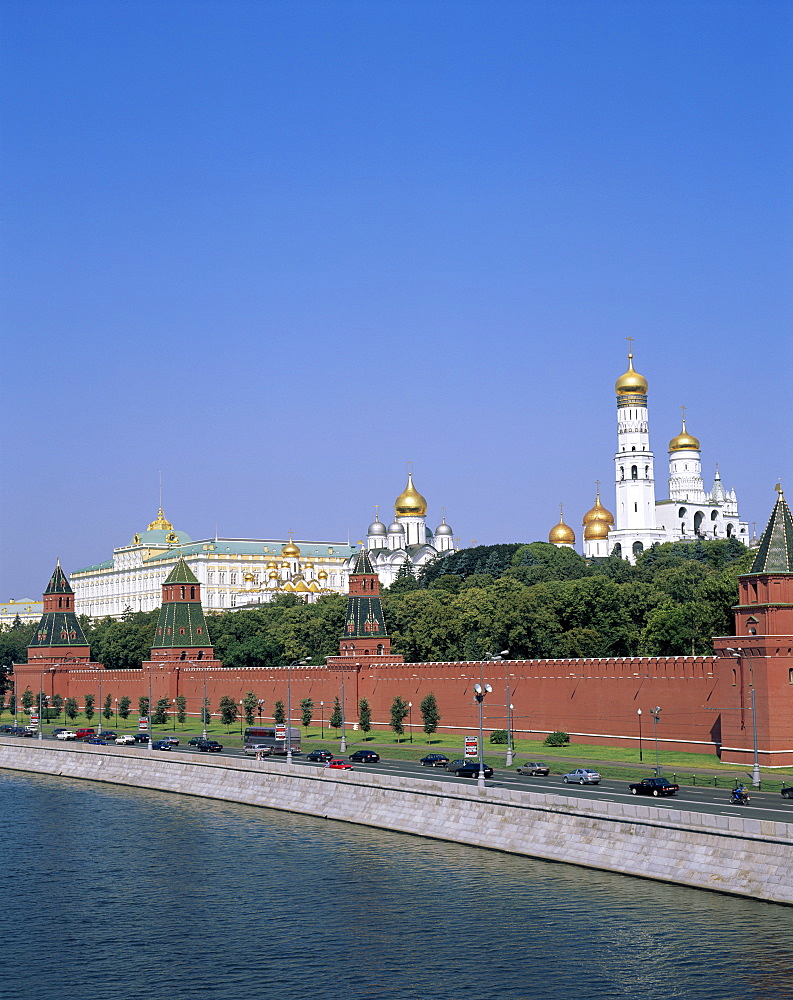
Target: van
84 734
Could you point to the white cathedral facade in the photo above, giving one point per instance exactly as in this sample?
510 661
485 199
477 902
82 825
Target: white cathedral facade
407 541
688 513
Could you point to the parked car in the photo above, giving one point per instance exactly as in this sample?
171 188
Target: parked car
254 749
125 740
108 735
5 729
787 793
653 786
365 757
21 731
339 764
66 734
583 776
468 768
141 737
210 746
534 769
173 740
161 745
196 741
434 760
319 756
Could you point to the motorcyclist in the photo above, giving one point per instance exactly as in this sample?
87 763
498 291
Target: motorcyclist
740 794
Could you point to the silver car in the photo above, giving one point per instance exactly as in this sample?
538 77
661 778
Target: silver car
582 776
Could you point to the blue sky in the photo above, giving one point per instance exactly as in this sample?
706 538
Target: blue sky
275 250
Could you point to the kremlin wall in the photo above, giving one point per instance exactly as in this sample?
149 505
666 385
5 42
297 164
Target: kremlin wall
705 701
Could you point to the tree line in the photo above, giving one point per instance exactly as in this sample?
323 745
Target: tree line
534 599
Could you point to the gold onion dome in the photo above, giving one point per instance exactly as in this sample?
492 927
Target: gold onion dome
598 513
322 575
684 441
160 523
410 501
596 529
561 534
631 383
290 550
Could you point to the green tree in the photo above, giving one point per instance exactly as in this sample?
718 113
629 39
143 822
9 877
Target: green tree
249 703
306 711
430 714
181 709
71 708
399 710
364 715
160 716
228 711
143 705
2 702
279 714
27 700
107 708
206 712
123 707
335 719
57 703
88 706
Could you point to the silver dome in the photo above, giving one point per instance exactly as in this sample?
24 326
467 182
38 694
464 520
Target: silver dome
377 528
396 529
443 529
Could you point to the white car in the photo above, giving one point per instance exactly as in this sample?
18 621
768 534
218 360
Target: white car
66 734
124 740
254 749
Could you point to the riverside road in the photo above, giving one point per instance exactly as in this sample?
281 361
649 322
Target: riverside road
713 801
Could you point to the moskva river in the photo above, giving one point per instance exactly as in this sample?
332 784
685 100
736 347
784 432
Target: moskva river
114 893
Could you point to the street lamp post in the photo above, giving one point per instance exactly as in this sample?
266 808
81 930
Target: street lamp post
204 708
510 710
480 693
294 663
240 718
343 744
410 719
116 713
322 719
738 654
639 713
656 714
148 720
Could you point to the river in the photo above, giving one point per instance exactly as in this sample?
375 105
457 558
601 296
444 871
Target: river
118 893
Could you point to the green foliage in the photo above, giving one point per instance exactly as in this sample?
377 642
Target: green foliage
71 708
160 716
306 711
124 706
364 715
399 710
122 645
88 706
181 709
556 739
279 713
335 719
27 700
491 559
499 736
143 705
107 707
249 703
228 710
429 713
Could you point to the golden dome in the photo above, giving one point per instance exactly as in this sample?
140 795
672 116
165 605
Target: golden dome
309 565
322 575
272 564
410 501
272 575
290 550
684 441
248 577
631 383
561 534
160 523
598 513
596 529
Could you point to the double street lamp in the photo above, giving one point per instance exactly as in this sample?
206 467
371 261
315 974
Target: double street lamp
639 713
738 654
294 663
656 714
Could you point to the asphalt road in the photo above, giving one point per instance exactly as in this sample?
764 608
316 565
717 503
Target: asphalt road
713 801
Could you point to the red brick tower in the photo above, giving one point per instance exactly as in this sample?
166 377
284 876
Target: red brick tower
760 654
59 636
181 632
365 637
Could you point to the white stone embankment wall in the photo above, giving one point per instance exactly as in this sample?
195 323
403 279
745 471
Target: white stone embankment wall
732 854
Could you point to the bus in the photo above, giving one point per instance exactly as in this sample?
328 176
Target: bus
265 736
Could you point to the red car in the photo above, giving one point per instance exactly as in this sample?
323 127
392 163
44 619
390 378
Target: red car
340 764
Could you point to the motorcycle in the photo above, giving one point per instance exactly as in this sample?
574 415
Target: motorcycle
739 797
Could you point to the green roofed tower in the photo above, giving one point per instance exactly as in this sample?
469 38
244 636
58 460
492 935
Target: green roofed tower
364 624
775 554
59 635
181 632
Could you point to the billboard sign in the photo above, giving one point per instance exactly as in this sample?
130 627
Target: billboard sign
471 746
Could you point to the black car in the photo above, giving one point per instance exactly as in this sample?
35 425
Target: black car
653 786
365 757
434 760
468 769
6 729
108 734
319 756
196 741
141 737
787 793
210 746
161 745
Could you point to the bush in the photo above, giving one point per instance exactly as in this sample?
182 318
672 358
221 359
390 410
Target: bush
557 739
499 736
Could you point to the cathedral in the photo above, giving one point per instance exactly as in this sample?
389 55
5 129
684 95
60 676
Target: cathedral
689 513
407 543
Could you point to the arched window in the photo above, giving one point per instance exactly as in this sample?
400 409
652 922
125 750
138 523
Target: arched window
735 677
634 472
192 593
681 512
647 472
638 548
713 515
380 651
698 521
622 472
730 530
182 592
